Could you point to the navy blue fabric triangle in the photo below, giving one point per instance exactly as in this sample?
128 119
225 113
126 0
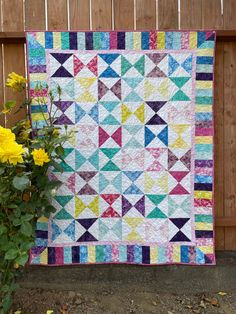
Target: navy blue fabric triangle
61 57
87 237
62 72
87 222
179 222
180 237
156 120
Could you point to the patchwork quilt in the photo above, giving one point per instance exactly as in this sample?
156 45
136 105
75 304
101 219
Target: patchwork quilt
138 172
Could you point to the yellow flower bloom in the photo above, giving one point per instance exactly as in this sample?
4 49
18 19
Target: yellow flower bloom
16 82
40 157
12 153
6 135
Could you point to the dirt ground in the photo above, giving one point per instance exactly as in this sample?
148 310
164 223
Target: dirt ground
38 301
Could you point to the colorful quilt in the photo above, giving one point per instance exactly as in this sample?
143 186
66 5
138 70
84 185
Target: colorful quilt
138 173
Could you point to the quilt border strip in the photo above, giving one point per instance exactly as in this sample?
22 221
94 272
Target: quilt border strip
203 43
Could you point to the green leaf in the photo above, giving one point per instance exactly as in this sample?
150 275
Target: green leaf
21 183
11 254
7 303
26 228
22 259
59 150
27 217
2 169
57 166
3 229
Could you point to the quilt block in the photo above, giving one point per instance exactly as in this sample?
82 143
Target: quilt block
138 173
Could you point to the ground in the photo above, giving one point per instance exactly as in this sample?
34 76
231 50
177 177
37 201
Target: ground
38 301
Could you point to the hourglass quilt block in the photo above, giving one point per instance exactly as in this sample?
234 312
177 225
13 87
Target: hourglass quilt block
138 172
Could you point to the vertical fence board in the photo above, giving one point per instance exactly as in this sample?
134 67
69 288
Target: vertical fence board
12 15
219 142
229 14
35 15
211 14
16 64
124 14
101 14
79 14
190 14
167 14
230 140
145 14
1 84
57 15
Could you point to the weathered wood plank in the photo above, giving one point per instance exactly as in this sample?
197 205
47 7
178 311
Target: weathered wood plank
167 14
145 14
101 14
13 64
219 143
211 14
35 15
191 14
229 141
79 14
12 15
57 15
124 14
229 14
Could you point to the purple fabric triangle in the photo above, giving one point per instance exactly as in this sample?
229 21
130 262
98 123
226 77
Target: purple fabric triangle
140 205
179 222
88 190
116 89
87 237
102 89
186 159
62 72
172 159
156 105
63 105
180 237
156 57
156 72
156 120
63 119
87 175
61 57
126 205
87 222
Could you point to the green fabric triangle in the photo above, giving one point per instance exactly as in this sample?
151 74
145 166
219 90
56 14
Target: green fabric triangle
117 229
110 120
133 97
63 214
156 199
132 81
110 105
180 81
139 65
117 182
103 229
103 182
133 143
110 152
156 213
66 167
94 160
133 129
63 200
180 95
79 160
125 65
110 166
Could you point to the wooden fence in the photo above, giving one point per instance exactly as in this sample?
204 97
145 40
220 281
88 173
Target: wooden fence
20 15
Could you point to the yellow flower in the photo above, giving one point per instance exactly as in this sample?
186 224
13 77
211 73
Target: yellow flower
12 153
40 156
16 82
6 135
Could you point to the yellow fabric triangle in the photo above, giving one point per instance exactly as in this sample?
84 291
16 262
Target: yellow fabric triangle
179 128
163 183
133 235
125 113
86 97
179 143
94 206
140 113
149 89
133 222
86 82
163 88
148 183
44 257
79 206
